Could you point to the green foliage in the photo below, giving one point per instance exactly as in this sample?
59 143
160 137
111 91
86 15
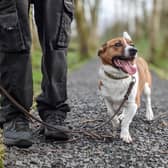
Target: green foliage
1 157
74 60
37 76
160 71
143 47
160 65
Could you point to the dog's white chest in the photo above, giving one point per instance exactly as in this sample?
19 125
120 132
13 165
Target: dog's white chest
115 90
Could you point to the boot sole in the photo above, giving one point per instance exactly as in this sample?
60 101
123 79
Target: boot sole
22 143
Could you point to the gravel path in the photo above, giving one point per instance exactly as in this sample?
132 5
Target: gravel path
149 149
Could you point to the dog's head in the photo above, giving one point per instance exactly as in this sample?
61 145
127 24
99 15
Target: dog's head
120 53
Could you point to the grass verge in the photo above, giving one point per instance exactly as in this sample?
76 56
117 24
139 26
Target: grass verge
2 151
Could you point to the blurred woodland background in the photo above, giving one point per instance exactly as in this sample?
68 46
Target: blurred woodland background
96 21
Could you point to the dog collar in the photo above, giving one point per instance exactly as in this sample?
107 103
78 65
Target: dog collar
115 77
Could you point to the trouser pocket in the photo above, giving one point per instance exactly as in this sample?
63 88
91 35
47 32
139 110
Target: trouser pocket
65 27
11 38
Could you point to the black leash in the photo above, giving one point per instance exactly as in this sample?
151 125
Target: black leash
59 128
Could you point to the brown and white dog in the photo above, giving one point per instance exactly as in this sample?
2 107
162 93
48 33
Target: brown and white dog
119 63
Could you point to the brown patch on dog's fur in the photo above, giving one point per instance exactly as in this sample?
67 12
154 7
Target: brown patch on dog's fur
102 49
144 77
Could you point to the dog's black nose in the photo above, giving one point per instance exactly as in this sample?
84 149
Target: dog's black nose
132 51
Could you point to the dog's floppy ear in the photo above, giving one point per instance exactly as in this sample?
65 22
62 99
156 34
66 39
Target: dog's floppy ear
127 36
102 49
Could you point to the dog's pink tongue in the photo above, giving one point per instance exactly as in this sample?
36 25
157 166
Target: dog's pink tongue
126 66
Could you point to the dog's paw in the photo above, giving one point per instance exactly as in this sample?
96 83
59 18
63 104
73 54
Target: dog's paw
115 122
149 114
126 137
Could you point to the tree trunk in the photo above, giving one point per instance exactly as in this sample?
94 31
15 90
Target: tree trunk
82 29
154 30
35 41
94 9
145 26
87 29
164 53
138 22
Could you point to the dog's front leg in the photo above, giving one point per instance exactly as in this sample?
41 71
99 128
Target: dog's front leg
110 111
129 113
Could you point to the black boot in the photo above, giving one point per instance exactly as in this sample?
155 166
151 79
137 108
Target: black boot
17 133
51 133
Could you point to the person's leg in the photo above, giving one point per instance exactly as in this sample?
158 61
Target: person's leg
53 19
15 71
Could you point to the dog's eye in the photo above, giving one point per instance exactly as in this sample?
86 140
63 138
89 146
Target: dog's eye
118 45
132 45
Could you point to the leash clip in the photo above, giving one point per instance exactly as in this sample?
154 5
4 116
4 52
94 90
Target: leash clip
133 79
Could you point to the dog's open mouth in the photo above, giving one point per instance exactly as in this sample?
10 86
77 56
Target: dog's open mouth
125 64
